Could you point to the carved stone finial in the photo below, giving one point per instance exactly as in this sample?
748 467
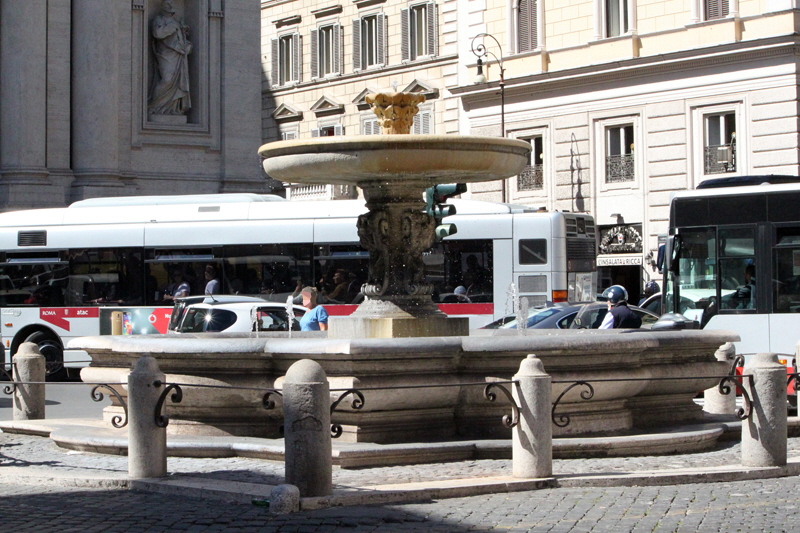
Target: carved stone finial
395 110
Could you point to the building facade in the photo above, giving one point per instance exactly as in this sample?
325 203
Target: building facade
127 97
626 101
623 101
322 58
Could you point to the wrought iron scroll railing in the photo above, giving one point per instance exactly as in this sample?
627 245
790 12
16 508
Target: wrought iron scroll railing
531 178
358 398
619 168
726 384
118 421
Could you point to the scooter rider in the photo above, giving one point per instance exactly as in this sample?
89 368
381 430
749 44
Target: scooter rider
619 314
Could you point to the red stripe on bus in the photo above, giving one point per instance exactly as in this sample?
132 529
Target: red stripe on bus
467 309
450 309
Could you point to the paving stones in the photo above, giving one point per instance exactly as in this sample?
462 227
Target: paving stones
760 505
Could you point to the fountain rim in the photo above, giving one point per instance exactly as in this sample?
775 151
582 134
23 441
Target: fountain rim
394 143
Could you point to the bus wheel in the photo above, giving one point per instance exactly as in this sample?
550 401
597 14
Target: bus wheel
53 354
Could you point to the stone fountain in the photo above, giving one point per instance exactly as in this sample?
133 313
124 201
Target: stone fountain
398 340
393 170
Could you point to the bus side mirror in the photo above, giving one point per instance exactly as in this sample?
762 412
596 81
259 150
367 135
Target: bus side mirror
673 253
660 258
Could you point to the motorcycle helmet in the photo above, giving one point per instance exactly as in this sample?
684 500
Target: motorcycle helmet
616 294
651 287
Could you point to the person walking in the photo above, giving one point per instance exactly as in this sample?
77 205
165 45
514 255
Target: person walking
619 314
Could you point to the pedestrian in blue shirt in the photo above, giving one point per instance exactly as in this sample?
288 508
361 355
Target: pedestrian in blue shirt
316 318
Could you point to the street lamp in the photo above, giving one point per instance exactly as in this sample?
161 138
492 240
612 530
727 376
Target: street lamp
480 52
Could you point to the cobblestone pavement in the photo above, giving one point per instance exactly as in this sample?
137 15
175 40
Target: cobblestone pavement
763 505
769 505
37 451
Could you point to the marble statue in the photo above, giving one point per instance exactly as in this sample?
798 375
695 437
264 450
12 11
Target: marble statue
170 94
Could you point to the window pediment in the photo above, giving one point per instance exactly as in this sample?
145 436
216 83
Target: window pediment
420 87
361 100
327 106
287 113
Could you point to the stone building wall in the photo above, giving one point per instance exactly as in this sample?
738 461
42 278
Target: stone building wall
76 80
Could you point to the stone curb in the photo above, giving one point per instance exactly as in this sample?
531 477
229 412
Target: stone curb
91 436
186 485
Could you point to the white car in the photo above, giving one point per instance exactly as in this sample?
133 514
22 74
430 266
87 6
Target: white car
231 314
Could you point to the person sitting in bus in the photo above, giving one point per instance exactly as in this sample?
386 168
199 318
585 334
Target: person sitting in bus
316 319
179 288
212 285
745 294
619 314
460 293
339 293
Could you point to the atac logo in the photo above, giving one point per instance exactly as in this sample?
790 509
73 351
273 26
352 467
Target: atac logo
60 316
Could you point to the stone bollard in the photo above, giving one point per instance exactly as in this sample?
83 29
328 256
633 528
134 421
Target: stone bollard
764 433
715 402
284 499
147 443
532 451
307 429
29 365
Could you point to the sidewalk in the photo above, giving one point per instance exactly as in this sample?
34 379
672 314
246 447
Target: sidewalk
29 459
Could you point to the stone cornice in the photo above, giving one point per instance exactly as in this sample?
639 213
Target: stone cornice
636 67
328 10
364 75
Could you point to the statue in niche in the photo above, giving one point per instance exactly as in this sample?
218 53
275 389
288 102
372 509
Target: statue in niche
171 46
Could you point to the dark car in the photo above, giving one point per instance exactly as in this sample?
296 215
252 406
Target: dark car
558 316
591 316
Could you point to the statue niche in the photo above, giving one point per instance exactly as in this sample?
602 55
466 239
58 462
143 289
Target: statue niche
170 98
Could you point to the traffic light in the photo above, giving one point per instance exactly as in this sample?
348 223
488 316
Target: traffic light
435 197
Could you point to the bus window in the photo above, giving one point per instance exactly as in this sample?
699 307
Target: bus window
460 271
103 276
737 268
269 271
696 271
787 271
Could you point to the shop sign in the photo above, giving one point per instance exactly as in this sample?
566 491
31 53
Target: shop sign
619 260
622 239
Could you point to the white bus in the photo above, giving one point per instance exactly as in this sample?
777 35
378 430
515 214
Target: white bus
65 272
734 260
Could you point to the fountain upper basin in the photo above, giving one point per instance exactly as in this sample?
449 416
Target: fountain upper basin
427 158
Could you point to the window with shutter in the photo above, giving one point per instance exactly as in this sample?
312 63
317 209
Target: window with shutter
716 9
275 63
420 31
381 40
370 126
314 54
357 44
286 59
433 29
337 49
369 47
423 123
297 58
405 41
527 38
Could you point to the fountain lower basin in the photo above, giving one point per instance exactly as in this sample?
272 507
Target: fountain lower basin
667 369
